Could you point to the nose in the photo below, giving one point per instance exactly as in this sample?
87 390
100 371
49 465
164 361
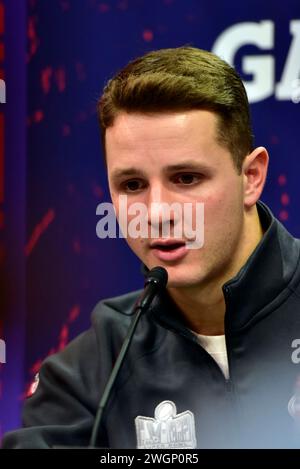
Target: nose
160 212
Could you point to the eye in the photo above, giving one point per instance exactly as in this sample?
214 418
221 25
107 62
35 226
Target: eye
133 185
187 179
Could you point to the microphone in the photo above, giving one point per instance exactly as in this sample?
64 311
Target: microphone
156 280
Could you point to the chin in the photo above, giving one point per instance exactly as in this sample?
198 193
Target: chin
182 281
179 276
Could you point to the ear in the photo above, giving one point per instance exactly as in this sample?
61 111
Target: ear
254 171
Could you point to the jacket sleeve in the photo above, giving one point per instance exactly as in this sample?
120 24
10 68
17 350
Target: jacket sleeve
62 409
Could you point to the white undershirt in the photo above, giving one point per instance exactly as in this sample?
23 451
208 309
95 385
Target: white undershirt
215 345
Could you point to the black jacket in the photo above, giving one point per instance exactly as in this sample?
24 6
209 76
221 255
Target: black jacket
256 408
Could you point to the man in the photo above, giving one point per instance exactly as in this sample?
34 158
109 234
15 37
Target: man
210 365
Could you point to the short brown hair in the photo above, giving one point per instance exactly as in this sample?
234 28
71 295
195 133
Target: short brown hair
179 79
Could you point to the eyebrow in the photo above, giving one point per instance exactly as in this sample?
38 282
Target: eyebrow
191 165
120 173
185 165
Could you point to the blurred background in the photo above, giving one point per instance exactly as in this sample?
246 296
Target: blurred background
55 57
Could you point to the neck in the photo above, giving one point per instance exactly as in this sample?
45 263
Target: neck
203 306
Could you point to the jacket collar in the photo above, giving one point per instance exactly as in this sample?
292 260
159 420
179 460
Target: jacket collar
256 287
266 274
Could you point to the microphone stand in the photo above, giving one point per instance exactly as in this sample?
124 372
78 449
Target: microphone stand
156 279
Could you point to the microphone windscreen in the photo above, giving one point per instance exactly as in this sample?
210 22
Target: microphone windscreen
158 275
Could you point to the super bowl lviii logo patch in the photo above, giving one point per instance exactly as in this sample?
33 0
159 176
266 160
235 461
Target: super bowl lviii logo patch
166 429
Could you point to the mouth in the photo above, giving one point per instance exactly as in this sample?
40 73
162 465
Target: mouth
169 250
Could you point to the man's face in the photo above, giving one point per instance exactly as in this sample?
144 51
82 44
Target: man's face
175 157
